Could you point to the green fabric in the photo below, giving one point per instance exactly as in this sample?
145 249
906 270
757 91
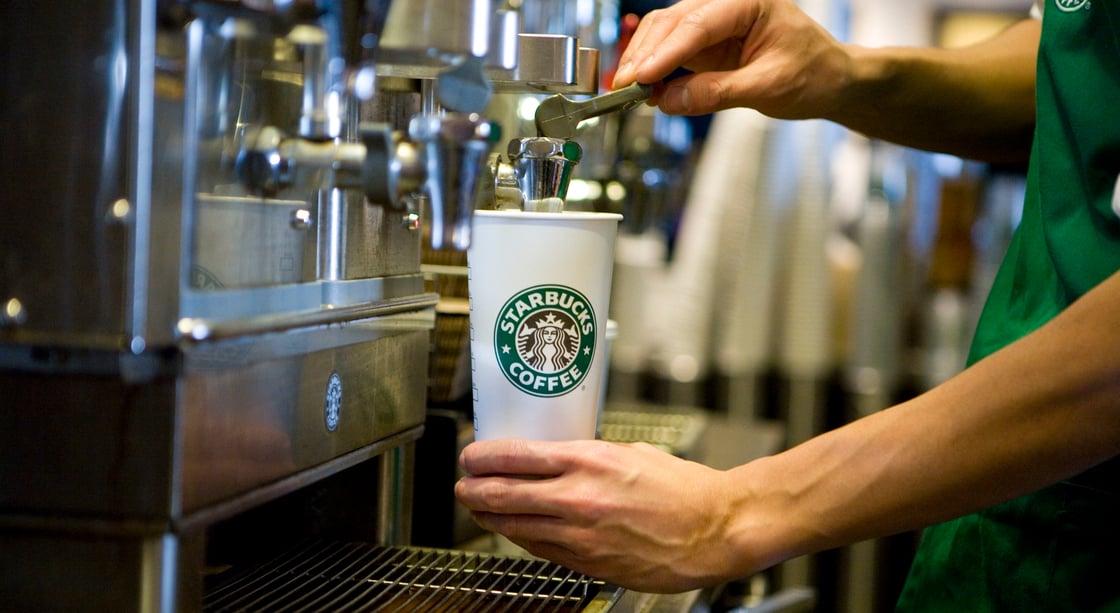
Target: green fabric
1056 549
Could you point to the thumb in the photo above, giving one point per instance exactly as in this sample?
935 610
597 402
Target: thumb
697 94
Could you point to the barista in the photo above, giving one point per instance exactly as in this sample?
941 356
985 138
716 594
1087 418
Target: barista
1012 462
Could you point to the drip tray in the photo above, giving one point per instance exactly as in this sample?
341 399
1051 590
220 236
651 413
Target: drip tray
675 430
332 576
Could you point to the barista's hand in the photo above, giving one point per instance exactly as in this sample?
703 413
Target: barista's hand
628 514
764 54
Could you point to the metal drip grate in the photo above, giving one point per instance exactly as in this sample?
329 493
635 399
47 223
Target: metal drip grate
339 577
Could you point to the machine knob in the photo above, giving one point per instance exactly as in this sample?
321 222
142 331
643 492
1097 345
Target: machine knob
393 168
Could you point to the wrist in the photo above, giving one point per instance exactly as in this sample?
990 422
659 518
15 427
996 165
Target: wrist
867 74
764 525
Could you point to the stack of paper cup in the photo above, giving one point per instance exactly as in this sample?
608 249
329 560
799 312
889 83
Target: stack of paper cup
539 295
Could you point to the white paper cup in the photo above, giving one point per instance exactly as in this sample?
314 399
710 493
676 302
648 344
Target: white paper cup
539 294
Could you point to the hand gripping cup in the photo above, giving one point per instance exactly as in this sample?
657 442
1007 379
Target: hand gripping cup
539 293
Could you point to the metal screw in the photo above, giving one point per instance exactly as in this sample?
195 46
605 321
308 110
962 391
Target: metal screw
411 221
301 219
13 313
120 209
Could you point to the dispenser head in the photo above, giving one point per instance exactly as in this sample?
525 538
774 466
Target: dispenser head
543 167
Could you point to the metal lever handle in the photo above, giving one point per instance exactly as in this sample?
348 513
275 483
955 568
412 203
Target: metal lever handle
558 116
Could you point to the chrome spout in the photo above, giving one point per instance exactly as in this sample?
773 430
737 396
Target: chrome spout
456 148
317 121
543 167
445 158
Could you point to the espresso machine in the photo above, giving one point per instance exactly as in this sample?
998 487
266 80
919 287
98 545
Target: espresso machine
214 328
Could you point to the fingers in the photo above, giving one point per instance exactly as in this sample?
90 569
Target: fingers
625 73
708 92
530 477
667 39
614 511
511 476
508 495
512 457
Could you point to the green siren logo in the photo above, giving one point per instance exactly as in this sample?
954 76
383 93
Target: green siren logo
1069 6
544 339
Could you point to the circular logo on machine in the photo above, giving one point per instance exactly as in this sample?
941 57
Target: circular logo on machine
544 339
203 278
332 405
1070 6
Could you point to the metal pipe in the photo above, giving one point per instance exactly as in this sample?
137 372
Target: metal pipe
394 495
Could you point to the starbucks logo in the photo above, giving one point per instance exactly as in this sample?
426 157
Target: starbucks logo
205 279
1069 6
544 339
332 405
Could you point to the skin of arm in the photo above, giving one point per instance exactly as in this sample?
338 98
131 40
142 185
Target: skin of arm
1042 409
976 102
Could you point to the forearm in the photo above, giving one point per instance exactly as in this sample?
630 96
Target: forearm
1043 409
976 102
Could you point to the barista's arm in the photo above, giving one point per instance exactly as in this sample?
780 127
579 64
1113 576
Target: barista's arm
766 54
1042 409
976 102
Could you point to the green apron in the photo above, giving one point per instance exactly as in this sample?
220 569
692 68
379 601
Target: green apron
1056 549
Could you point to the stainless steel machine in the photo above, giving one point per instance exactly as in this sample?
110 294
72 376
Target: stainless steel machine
214 330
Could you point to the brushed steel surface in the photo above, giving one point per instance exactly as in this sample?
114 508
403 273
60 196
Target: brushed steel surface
76 443
64 105
219 420
436 31
377 242
126 201
245 241
60 573
248 422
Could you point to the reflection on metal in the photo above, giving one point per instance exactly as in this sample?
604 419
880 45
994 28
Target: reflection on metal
550 63
437 32
543 170
13 313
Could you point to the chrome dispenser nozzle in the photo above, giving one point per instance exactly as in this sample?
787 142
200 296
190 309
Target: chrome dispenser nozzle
457 147
543 167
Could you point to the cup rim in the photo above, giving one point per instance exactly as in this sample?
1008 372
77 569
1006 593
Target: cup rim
562 215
